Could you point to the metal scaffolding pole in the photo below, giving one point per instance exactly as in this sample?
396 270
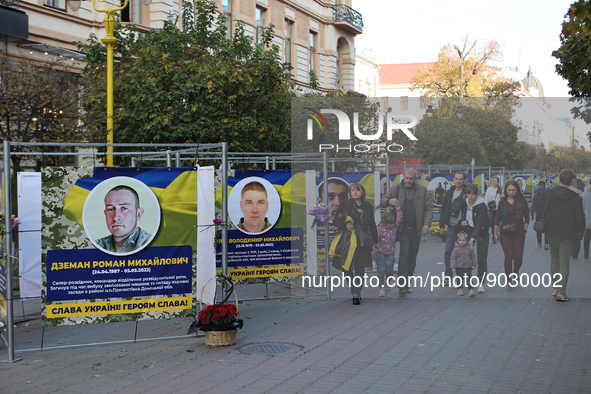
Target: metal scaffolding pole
225 208
8 253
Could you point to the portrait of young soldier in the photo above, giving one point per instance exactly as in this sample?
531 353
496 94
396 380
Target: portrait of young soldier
254 205
122 213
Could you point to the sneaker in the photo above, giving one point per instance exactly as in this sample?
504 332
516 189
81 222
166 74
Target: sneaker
546 247
401 292
481 289
356 299
382 292
554 292
539 245
471 293
408 290
386 287
460 292
560 296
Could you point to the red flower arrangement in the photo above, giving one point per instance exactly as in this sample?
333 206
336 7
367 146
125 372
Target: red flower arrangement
217 314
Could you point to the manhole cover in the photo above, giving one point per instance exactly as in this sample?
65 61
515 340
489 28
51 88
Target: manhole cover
270 349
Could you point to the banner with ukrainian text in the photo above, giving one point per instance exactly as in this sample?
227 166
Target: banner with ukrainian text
118 244
266 231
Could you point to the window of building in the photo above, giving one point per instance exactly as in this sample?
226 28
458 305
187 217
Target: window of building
312 53
339 77
59 4
227 4
404 103
260 17
131 13
287 41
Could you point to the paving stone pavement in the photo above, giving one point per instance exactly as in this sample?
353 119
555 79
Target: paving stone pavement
519 341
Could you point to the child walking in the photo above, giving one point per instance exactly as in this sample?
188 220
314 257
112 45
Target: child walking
384 250
463 260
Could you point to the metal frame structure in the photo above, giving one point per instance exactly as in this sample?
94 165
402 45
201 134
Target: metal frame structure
195 152
222 155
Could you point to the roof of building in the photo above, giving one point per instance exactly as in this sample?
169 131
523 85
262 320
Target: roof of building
396 74
532 82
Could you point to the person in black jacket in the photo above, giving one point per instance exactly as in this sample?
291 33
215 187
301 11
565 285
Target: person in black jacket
565 224
362 214
476 223
450 217
534 210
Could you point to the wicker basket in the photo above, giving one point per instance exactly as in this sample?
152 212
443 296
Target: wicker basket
219 338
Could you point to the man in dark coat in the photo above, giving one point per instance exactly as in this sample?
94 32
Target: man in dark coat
565 224
450 217
417 207
475 220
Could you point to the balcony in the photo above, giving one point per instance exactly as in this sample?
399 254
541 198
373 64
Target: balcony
347 19
14 23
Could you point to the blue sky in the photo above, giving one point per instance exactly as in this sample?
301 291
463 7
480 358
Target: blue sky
415 31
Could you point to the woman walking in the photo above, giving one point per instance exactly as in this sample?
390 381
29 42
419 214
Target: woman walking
513 219
492 197
366 234
475 221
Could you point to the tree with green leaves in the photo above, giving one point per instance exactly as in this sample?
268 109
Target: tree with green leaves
192 85
497 135
38 102
573 57
445 141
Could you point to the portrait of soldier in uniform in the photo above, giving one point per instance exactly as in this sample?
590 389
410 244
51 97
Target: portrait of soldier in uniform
122 213
254 205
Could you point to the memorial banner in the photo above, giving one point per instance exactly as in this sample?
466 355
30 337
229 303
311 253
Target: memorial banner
339 190
437 186
118 241
3 279
267 217
525 183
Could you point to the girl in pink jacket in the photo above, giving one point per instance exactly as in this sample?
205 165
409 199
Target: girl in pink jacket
383 252
462 261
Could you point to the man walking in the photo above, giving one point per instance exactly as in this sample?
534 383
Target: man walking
450 216
417 208
534 210
565 222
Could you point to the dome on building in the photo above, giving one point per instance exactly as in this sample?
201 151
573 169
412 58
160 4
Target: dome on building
532 82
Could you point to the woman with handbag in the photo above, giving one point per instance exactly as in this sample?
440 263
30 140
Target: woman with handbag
366 235
491 199
512 219
475 221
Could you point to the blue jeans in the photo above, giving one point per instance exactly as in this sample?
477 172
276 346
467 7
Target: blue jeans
410 240
385 265
450 240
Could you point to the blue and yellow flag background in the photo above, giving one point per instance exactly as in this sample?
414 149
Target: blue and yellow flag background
290 185
175 188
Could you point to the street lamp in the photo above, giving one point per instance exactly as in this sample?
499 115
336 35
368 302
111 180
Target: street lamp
110 41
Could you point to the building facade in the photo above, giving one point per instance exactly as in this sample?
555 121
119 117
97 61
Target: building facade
316 37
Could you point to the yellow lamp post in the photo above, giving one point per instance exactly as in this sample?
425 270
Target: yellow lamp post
110 41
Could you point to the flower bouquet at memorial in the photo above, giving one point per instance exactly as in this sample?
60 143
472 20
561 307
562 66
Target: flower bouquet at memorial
219 321
320 213
14 222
